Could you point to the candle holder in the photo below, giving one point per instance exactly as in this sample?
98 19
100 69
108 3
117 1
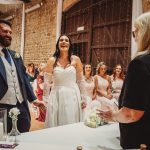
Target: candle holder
3 124
14 131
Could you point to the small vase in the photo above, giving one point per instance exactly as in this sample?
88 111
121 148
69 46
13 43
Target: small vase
14 131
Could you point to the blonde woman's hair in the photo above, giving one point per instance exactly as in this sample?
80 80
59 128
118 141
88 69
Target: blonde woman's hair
98 66
142 23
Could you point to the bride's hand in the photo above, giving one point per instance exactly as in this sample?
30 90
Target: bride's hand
83 104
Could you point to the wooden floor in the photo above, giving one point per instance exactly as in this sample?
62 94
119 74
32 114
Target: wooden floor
35 124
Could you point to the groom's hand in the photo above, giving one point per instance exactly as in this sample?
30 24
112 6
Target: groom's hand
39 104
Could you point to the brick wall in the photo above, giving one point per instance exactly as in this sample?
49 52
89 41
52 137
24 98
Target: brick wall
146 5
16 29
40 32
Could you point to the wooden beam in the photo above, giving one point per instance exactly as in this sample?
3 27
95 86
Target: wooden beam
78 13
89 51
111 23
76 33
111 46
26 1
79 41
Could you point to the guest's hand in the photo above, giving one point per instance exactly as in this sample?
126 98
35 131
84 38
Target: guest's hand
93 97
106 115
39 104
109 96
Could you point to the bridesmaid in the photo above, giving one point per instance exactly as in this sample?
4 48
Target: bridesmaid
89 82
104 98
117 79
89 87
103 82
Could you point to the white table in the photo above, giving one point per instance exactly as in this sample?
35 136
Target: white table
68 137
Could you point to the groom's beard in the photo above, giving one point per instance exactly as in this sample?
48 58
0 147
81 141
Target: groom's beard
5 41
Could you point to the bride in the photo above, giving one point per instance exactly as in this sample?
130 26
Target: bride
66 72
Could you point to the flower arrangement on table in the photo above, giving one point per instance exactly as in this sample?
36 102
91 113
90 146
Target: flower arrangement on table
13 114
93 120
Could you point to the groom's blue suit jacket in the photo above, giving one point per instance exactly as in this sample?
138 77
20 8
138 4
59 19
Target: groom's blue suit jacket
25 86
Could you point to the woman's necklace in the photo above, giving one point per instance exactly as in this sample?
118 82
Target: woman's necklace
63 63
88 79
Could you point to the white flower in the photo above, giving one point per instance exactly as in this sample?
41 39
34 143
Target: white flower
14 112
93 120
17 55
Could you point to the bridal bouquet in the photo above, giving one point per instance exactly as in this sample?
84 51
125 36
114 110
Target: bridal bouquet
93 120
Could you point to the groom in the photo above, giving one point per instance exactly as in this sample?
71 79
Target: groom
15 88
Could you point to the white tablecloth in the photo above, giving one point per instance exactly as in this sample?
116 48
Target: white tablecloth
68 137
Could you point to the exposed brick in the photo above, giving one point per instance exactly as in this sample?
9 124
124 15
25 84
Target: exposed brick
40 32
146 5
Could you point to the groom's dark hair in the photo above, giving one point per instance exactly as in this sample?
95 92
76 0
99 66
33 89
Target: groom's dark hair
5 22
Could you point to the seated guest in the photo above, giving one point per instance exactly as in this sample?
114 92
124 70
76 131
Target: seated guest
89 82
103 87
41 66
117 81
89 87
103 82
39 95
31 72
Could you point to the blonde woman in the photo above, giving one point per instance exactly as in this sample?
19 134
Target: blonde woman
104 98
134 101
103 82
89 88
89 85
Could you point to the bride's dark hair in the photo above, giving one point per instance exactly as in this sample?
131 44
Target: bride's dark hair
57 51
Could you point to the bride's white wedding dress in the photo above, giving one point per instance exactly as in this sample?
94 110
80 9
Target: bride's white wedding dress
64 102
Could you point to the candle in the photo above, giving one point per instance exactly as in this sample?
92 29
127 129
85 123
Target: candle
1 130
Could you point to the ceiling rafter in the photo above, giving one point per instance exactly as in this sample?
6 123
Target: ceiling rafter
26 1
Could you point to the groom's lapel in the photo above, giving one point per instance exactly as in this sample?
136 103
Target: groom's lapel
2 70
16 62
